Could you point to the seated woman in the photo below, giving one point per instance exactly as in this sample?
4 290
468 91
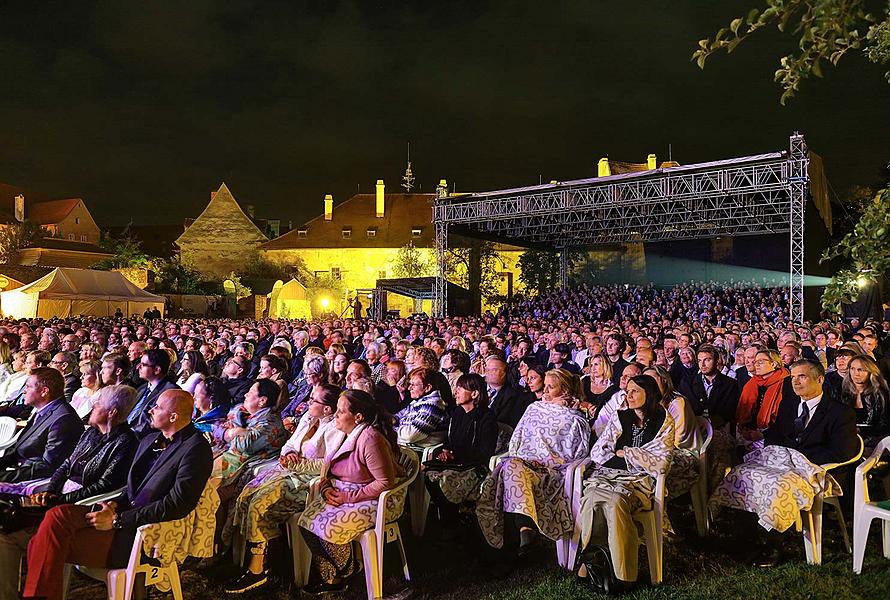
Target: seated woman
760 399
598 386
453 477
90 383
355 473
526 488
633 450
274 369
192 369
339 364
534 379
423 421
865 389
315 372
453 365
99 464
213 401
280 491
251 431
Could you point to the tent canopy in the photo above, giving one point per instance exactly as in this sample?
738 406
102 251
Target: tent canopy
65 292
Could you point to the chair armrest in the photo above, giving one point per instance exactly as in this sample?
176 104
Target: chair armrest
102 497
429 452
830 466
496 460
574 477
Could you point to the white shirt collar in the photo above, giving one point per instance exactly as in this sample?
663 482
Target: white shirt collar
812 403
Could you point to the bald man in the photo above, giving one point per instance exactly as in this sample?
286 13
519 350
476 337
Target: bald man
168 475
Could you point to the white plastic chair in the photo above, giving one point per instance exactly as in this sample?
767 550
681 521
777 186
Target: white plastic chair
865 511
699 491
651 520
374 540
9 433
812 519
120 582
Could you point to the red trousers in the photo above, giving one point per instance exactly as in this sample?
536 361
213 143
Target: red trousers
64 536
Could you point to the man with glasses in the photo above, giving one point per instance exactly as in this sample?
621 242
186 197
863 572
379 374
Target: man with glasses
64 363
153 367
233 375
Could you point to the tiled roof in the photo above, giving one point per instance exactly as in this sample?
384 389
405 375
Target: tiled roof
37 207
60 244
24 273
402 213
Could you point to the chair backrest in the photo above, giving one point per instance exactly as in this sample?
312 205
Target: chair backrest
393 500
505 432
861 488
706 431
9 433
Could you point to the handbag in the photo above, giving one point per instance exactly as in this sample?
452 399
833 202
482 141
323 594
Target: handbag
600 572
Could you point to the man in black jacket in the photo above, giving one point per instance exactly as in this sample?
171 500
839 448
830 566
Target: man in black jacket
50 434
153 367
165 483
710 391
504 400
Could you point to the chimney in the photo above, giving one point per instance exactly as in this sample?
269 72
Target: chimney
20 208
328 207
380 201
651 162
442 189
602 168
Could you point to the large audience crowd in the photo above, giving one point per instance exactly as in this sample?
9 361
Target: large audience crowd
284 418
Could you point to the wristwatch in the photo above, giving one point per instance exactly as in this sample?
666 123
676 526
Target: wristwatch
116 523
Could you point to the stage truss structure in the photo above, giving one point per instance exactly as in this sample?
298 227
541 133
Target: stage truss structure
752 195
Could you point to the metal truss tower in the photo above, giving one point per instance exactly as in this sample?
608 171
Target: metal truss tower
753 195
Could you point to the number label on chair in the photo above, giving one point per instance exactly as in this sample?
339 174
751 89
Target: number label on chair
153 576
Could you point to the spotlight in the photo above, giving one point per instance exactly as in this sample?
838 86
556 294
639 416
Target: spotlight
862 282
325 302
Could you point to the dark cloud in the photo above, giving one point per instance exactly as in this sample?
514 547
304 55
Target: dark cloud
150 105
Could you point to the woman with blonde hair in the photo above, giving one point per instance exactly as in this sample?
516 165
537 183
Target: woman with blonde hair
5 362
91 382
865 389
525 492
760 398
598 385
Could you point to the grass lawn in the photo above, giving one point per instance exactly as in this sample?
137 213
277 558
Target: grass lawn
716 567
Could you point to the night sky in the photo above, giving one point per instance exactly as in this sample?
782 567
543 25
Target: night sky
143 108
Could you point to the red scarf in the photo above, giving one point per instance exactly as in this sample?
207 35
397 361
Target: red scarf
771 399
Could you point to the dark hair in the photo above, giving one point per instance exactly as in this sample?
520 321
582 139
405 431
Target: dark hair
276 363
50 379
473 382
815 366
198 363
217 391
460 360
530 360
373 413
329 395
562 348
158 358
118 361
652 391
366 369
269 390
537 368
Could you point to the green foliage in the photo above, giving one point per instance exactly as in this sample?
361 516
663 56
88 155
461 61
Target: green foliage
324 286
487 280
126 250
539 269
825 29
260 267
173 277
241 290
867 251
16 236
410 262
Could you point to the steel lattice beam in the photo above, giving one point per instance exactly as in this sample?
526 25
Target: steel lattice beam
753 195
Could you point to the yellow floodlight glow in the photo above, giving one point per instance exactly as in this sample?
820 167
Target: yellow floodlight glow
862 282
325 302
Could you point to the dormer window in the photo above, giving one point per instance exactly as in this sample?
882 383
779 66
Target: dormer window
372 232
302 233
416 231
77 220
347 233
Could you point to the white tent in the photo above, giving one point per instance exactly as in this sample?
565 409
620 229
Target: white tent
67 292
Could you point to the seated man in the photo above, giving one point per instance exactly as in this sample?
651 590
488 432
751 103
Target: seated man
66 363
12 391
504 401
49 436
153 367
809 430
168 476
99 464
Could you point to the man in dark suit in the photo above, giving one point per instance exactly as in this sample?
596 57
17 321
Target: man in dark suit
614 350
819 428
165 483
153 367
233 375
710 391
559 359
504 400
66 363
50 435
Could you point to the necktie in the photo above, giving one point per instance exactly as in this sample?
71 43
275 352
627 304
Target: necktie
491 394
800 423
140 405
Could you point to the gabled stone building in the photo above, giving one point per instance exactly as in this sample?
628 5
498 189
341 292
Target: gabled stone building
222 239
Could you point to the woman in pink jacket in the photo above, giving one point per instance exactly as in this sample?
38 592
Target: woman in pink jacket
354 475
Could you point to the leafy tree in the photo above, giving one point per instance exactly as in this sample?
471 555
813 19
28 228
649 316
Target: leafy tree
15 236
241 290
866 248
410 262
460 261
826 30
173 277
261 267
324 286
126 250
539 270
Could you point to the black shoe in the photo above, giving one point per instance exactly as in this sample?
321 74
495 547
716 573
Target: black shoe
247 581
527 539
316 589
